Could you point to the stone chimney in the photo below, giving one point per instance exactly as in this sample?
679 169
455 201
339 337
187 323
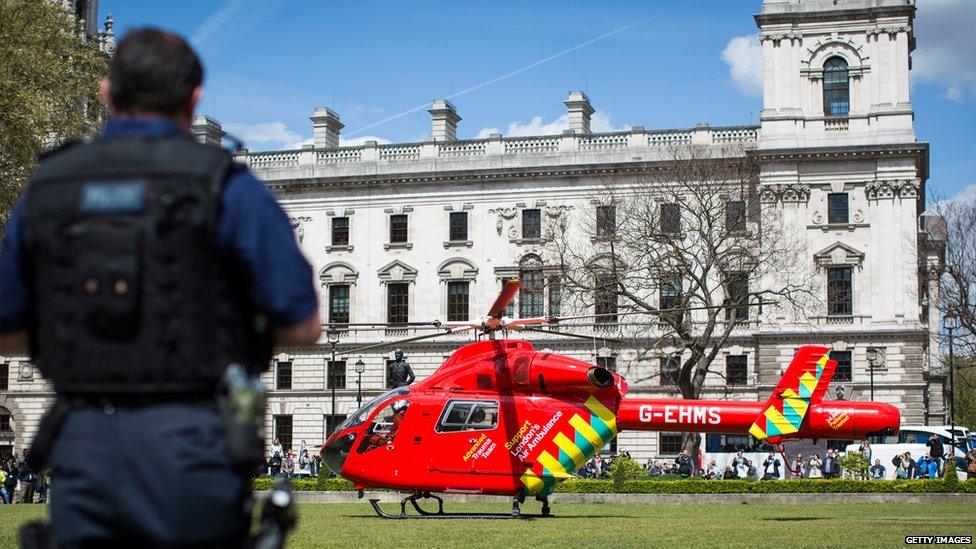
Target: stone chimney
579 112
326 128
206 130
445 119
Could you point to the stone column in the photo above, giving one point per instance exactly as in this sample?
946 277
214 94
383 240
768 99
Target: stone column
445 119
206 130
580 111
325 128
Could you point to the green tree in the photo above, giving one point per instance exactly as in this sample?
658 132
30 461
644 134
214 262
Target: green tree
49 73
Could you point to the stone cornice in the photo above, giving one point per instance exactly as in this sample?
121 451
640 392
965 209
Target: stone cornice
834 15
920 150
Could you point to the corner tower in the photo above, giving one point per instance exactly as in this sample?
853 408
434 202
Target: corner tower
835 72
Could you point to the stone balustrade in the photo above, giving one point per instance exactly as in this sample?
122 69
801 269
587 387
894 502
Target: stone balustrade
495 145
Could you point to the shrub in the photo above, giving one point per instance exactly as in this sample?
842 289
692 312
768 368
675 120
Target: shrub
949 475
855 464
622 469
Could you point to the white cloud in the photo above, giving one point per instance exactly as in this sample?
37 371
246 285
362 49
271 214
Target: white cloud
361 140
953 93
264 133
743 54
276 135
946 42
599 122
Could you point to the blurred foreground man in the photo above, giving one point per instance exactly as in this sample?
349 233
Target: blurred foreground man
142 270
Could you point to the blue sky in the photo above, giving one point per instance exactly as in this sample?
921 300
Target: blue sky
270 62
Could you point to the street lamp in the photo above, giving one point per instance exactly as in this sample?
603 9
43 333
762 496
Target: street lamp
332 335
360 368
950 322
873 356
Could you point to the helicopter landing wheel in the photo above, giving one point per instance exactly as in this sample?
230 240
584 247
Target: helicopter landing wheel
546 511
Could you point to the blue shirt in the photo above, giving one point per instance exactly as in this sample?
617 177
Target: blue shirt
252 227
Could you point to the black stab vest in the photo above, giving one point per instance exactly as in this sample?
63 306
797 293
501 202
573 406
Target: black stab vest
131 292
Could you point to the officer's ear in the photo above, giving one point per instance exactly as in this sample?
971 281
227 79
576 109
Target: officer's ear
105 93
195 96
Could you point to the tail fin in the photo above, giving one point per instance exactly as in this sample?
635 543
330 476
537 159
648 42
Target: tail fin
804 383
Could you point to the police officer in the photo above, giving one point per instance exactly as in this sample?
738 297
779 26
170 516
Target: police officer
400 373
135 268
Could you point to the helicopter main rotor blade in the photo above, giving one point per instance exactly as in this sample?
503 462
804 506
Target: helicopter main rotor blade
567 334
519 323
506 296
401 341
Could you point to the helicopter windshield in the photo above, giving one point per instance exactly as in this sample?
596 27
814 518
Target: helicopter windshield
385 425
363 413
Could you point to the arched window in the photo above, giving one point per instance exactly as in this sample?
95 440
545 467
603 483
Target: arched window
836 88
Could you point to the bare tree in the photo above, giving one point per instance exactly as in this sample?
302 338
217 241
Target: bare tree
689 250
954 223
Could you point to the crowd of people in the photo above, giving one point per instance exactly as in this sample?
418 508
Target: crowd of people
19 484
286 463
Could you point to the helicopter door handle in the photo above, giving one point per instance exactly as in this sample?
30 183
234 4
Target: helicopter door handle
416 440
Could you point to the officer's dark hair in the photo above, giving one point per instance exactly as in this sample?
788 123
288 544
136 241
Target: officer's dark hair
153 71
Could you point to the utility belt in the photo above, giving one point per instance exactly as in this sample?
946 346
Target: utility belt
239 400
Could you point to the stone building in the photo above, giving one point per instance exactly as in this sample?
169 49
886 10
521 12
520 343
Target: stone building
423 231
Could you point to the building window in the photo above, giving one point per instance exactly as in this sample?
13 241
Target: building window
398 228
459 226
606 221
336 375
670 367
397 307
531 295
340 231
840 292
283 375
838 208
605 298
6 425
736 370
532 224
555 296
4 376
843 371
670 298
670 218
836 88
339 304
457 301
735 216
332 421
282 430
608 362
669 443
737 286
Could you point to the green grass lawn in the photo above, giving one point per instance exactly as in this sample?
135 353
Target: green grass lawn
603 525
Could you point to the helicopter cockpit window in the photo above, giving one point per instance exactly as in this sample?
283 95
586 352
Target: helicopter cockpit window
363 413
385 425
468 415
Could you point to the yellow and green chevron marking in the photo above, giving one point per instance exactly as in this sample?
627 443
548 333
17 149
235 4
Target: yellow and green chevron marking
786 418
588 438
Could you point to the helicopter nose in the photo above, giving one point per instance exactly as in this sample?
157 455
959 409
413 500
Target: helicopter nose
335 452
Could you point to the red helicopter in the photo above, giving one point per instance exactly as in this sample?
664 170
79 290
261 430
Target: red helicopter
500 418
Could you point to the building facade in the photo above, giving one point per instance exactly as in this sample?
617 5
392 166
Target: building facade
427 231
